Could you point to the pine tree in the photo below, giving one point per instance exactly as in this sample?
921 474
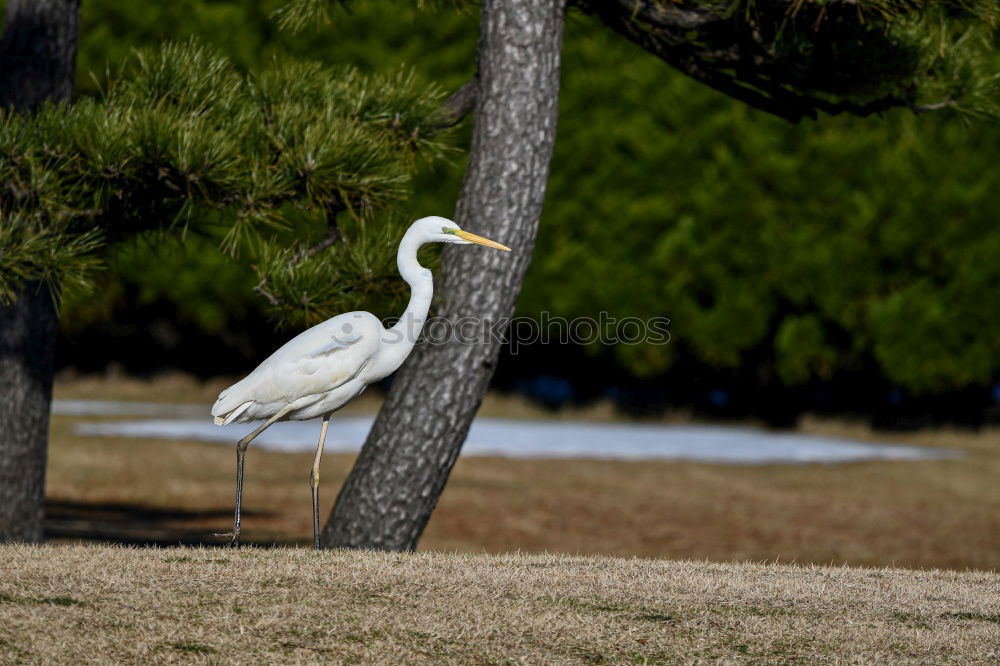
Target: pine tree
293 162
37 63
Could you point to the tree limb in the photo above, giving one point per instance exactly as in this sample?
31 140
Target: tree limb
332 237
729 54
461 103
262 289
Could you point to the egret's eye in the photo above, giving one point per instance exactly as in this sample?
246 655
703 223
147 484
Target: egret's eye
447 230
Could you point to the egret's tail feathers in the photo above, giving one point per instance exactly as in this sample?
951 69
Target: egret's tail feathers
226 419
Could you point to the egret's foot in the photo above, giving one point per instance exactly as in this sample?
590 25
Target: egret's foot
234 538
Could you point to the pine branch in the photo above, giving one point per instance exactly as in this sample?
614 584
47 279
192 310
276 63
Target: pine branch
737 49
332 237
32 250
460 103
262 290
158 151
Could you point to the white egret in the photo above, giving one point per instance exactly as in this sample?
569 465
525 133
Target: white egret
323 368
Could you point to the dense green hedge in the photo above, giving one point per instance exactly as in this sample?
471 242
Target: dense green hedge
813 246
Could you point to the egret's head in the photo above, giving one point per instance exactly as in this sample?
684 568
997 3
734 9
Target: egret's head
442 230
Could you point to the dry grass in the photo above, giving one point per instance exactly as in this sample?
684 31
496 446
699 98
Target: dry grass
914 514
108 604
928 514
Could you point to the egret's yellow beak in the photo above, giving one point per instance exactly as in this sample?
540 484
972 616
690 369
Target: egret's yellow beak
479 240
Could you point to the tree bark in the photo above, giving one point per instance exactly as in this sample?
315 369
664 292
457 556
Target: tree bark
38 52
402 468
28 330
37 63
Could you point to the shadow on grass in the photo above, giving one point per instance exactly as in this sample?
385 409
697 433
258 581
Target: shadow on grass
138 525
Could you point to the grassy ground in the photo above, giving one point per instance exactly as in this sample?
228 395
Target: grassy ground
108 604
942 514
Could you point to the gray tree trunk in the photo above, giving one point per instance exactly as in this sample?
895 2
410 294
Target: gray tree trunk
37 63
402 469
28 331
38 52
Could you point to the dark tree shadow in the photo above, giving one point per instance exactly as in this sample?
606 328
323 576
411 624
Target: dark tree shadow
138 525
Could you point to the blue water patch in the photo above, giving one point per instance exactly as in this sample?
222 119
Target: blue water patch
523 438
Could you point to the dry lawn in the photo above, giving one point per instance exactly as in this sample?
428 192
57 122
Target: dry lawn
928 514
78 604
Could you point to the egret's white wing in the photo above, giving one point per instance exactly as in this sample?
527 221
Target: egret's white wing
314 362
329 366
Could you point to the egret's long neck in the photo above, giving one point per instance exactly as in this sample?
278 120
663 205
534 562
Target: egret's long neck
407 330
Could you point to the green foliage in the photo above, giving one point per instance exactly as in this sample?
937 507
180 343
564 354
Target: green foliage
296 14
921 54
313 288
814 247
184 269
375 37
181 138
939 333
811 248
33 251
802 349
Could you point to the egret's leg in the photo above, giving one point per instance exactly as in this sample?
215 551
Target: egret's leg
241 450
314 480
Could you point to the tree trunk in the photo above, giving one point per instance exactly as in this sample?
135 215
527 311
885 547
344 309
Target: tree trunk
37 62
38 52
27 349
402 469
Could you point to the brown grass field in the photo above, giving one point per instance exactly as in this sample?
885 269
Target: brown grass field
107 604
927 514
712 583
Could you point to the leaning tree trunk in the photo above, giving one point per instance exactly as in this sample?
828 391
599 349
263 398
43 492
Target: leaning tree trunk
402 469
37 63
